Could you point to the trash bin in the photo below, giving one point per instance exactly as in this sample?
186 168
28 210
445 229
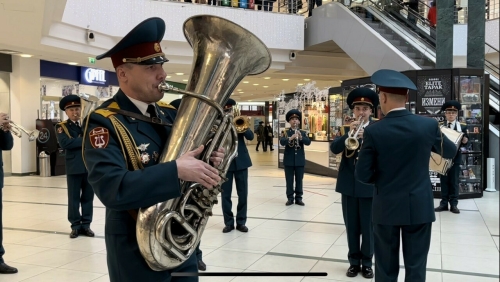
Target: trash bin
44 164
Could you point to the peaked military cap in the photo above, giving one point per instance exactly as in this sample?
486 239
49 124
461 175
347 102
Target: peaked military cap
362 95
451 105
69 102
229 104
293 113
392 81
176 103
140 46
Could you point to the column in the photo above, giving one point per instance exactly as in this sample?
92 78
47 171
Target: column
476 31
24 104
444 34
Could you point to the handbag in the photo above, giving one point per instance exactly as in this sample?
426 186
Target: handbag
439 164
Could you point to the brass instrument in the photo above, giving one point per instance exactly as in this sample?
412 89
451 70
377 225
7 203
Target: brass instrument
241 124
295 142
224 53
18 131
439 164
90 106
352 143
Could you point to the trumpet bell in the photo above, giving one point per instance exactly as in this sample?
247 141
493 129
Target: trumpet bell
351 144
241 124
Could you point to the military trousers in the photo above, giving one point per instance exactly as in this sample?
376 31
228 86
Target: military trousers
449 184
79 193
241 180
416 242
357 214
291 173
198 252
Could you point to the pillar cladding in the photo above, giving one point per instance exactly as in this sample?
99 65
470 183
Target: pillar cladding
444 34
476 31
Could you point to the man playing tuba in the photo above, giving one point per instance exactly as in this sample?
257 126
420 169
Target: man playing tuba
122 144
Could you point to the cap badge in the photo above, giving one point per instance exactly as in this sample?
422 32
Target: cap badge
157 47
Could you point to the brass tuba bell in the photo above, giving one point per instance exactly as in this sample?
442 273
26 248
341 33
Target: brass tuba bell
224 53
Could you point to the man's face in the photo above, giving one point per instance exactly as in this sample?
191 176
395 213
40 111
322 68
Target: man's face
451 115
362 110
143 80
73 113
294 122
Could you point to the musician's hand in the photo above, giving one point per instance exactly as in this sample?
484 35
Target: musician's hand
193 170
5 121
465 140
354 125
217 157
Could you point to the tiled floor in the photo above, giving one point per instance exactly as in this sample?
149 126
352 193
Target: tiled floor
289 239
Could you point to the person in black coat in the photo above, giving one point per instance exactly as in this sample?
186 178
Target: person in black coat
238 170
294 158
6 144
268 132
395 158
356 196
449 182
69 136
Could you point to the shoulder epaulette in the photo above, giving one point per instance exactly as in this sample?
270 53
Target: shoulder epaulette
343 129
375 119
463 124
107 113
165 105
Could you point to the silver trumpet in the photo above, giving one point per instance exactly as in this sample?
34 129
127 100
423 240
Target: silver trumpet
295 142
224 53
352 143
18 131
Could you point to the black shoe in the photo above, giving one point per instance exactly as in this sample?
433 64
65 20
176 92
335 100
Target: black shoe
289 203
228 229
367 272
353 271
299 202
242 228
201 265
5 269
441 208
73 234
454 209
87 232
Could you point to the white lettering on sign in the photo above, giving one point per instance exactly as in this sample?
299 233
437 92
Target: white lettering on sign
95 76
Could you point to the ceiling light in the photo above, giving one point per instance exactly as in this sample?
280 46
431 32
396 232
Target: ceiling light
300 84
26 55
285 79
184 80
267 77
306 79
179 73
249 100
255 84
168 76
240 89
6 51
245 81
72 63
265 86
241 92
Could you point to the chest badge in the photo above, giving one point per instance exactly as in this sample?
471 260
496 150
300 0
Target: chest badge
145 158
143 147
155 156
59 130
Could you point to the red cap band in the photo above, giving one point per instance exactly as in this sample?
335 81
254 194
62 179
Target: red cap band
137 53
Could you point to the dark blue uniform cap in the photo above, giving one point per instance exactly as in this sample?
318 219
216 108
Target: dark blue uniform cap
176 103
293 113
229 104
69 102
362 95
392 81
451 105
140 46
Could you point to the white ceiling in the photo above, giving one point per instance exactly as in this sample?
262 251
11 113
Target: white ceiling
21 29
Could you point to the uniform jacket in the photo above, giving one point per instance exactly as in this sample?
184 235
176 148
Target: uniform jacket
242 161
395 157
121 188
346 183
69 136
293 156
6 144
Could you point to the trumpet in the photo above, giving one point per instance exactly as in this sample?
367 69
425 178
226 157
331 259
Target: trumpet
295 142
18 131
352 143
241 124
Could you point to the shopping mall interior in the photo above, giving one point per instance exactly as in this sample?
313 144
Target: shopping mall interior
319 51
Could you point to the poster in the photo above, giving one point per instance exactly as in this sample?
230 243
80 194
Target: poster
432 92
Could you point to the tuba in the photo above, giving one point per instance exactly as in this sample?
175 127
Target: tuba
241 124
91 104
224 53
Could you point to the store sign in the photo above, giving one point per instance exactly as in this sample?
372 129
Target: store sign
432 93
91 76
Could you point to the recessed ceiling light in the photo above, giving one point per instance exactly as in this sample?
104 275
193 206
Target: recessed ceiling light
267 77
265 86
245 81
255 84
249 100
300 84
26 55
179 73
241 92
168 76
184 80
285 79
72 63
306 79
